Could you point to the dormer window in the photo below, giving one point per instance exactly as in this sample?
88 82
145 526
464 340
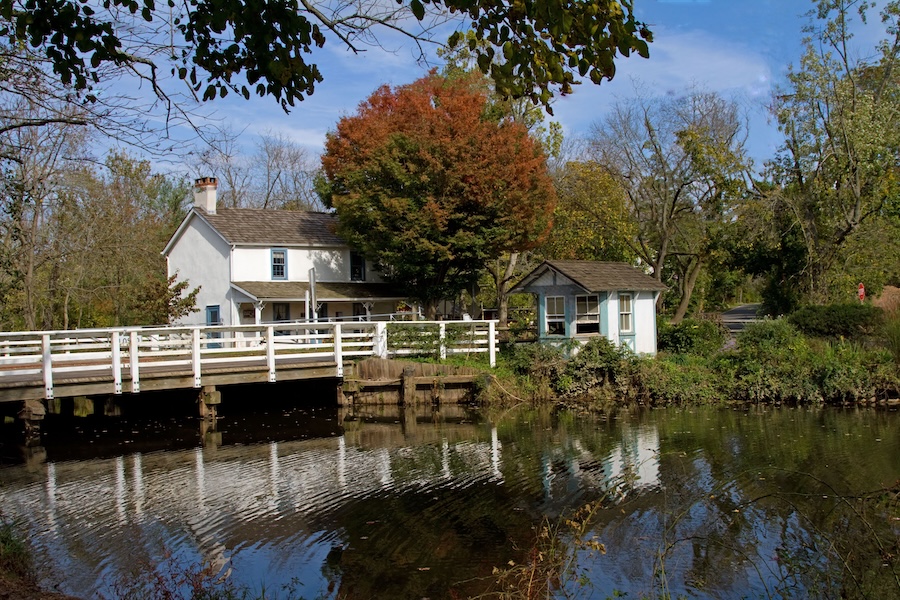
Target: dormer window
357 267
279 263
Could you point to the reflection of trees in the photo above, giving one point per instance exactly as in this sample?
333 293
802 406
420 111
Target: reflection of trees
395 551
765 503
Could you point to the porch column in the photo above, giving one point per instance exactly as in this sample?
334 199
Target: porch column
306 306
541 316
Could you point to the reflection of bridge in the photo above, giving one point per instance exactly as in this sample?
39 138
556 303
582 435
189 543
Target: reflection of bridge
102 517
44 365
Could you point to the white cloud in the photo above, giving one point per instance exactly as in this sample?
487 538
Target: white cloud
678 61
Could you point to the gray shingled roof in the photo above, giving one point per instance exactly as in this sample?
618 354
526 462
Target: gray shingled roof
325 291
597 276
274 227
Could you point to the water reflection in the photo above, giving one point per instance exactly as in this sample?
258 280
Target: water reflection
416 503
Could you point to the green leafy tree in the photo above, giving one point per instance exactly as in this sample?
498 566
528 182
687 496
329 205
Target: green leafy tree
680 163
591 221
165 301
265 47
505 270
431 188
80 247
837 170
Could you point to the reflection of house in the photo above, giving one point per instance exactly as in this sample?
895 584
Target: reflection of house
253 265
578 299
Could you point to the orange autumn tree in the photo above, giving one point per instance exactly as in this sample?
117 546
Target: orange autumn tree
430 186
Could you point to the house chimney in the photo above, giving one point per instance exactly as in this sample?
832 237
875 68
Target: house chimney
205 194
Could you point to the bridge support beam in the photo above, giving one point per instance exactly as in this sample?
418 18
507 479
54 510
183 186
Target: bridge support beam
32 413
210 399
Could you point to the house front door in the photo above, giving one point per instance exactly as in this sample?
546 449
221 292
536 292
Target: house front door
281 311
213 317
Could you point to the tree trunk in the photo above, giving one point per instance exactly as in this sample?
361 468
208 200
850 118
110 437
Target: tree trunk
502 283
28 280
430 307
688 291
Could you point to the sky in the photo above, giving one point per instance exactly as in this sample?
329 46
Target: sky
739 48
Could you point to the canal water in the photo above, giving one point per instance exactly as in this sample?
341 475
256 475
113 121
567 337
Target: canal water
293 498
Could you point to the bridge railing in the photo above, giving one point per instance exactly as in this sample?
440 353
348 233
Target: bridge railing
125 355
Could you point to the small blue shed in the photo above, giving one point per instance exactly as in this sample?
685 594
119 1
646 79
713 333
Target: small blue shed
580 299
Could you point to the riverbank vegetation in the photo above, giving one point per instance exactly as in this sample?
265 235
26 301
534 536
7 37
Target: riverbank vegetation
18 575
15 556
841 354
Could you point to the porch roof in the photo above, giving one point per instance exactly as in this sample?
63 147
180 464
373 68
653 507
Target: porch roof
295 291
594 276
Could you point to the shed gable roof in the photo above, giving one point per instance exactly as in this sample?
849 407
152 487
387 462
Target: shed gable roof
595 276
259 226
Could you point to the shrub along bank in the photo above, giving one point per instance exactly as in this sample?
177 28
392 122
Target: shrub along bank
769 362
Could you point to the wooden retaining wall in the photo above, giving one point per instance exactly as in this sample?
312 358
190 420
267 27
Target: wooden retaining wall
377 381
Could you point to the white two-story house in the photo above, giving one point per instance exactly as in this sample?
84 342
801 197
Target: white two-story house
255 266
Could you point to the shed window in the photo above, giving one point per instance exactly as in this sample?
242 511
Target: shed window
626 314
279 263
587 314
556 315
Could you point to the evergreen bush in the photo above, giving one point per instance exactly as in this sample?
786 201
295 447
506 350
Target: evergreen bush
892 336
597 363
679 380
838 320
691 336
540 365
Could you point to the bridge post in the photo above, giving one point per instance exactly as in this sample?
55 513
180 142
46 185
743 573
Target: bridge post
209 436
338 349
47 366
195 355
32 413
134 360
210 399
492 343
380 342
442 340
116 346
270 352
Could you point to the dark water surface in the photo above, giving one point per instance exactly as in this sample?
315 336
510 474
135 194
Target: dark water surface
301 499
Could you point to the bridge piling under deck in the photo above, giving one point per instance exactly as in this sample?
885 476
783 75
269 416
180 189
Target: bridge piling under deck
31 415
209 400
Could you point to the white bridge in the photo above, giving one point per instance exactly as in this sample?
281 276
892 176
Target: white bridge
47 364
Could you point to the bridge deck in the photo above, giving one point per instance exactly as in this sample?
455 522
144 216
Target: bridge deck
43 365
26 387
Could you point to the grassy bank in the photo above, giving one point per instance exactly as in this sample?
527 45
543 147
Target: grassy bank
773 361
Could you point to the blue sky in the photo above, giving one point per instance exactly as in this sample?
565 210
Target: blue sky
740 48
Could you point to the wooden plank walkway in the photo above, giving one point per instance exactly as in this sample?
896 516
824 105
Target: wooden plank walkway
44 365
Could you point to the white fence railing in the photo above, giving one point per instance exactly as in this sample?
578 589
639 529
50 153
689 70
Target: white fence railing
125 353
